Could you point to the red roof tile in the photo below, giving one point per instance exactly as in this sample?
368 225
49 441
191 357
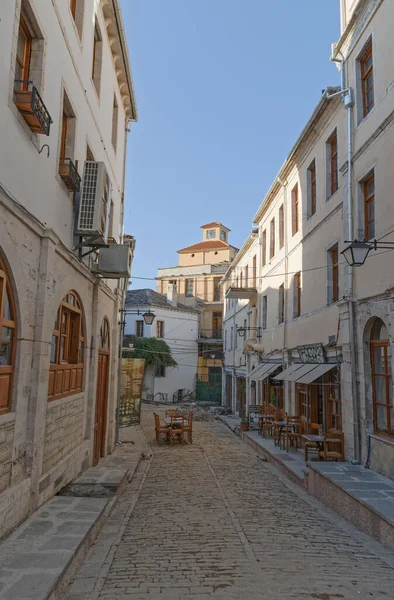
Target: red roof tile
215 224
209 245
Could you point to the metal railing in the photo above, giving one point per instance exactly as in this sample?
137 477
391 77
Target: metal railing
69 174
211 334
38 108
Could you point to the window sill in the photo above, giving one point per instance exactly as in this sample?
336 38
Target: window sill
383 437
331 196
66 397
365 118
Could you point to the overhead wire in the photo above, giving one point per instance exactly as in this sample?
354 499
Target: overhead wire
241 269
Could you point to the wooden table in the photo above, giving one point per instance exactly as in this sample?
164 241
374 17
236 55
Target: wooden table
318 439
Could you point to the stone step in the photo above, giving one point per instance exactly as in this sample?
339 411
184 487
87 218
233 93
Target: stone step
41 555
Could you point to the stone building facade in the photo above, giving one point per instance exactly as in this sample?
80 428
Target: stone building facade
197 279
59 321
325 338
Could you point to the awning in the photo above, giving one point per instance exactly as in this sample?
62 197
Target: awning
316 372
301 372
264 370
284 375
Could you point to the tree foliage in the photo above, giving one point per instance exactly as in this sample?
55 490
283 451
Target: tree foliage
154 351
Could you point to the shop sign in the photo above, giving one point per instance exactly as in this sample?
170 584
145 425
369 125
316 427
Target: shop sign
312 353
133 370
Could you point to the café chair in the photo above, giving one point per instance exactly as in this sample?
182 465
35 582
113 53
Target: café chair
333 449
161 429
291 432
311 446
188 428
176 429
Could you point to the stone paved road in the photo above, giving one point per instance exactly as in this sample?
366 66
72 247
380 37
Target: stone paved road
213 521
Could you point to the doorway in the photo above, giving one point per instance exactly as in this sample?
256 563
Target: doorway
100 421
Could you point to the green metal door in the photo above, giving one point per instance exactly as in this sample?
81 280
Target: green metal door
210 391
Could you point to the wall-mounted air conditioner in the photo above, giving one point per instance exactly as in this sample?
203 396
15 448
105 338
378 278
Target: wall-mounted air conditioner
95 202
115 261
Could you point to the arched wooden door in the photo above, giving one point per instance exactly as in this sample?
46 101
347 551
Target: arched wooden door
100 422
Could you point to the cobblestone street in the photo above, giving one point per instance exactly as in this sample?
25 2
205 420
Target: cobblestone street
212 520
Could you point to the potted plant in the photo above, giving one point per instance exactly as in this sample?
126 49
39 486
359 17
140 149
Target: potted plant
244 420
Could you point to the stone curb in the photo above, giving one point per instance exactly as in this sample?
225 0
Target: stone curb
76 561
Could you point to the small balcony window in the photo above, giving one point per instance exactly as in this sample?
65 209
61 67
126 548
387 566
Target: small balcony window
67 170
26 95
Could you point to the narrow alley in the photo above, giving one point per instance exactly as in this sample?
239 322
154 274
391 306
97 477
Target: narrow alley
212 520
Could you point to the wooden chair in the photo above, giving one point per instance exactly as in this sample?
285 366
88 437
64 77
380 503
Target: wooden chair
267 426
188 428
311 446
279 415
160 428
291 432
170 412
334 444
176 428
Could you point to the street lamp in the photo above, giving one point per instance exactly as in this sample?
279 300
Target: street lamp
242 331
356 253
148 316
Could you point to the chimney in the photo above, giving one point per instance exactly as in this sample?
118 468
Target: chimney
172 294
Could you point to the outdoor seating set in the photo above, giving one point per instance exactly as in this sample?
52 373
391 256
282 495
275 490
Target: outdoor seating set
174 427
293 431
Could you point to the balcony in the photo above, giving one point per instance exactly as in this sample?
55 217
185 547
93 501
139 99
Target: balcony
210 336
32 108
241 293
69 174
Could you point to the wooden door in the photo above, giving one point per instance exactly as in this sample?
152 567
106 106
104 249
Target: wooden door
100 423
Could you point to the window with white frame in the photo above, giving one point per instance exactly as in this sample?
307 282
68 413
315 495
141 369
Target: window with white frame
311 189
332 164
189 288
139 329
332 274
365 82
265 309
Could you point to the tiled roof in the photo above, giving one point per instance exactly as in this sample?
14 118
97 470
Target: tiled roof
149 297
215 224
209 245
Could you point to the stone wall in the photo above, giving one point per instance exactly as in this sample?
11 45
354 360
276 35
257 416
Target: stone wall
63 429
6 445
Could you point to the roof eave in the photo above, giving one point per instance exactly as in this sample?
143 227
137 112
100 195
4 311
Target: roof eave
125 56
321 106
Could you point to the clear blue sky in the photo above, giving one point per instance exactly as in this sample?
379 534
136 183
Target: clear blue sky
223 88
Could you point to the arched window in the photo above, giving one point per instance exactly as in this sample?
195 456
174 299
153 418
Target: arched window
104 335
383 418
67 349
7 340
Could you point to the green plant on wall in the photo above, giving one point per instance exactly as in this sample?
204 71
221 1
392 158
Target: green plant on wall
273 398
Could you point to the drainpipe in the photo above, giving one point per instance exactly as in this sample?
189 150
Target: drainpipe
286 282
123 292
348 101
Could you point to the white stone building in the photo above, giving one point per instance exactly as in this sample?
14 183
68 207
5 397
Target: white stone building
335 185
66 97
177 325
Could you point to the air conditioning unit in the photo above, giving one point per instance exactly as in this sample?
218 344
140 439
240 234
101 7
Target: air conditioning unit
115 261
95 202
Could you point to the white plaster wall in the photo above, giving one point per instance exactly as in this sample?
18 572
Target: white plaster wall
67 65
180 333
36 220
